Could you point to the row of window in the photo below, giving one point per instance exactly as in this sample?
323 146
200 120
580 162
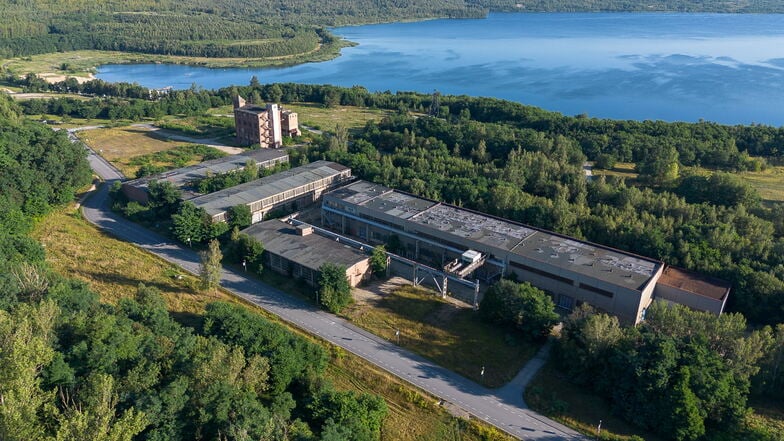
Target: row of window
542 273
583 286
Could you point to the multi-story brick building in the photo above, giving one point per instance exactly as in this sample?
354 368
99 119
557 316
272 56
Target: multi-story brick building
263 125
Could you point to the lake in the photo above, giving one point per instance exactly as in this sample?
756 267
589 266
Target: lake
720 67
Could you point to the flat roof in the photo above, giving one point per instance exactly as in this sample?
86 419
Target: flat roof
310 251
695 283
252 108
181 177
594 260
254 191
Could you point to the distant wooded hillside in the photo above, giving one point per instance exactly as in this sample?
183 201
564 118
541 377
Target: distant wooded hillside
723 6
264 28
232 28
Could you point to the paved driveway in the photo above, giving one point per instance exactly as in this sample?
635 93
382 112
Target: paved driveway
502 408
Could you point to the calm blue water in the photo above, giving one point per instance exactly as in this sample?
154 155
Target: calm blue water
721 67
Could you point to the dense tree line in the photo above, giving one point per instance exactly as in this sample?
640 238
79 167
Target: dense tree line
683 374
179 32
199 28
73 368
519 306
524 164
259 29
733 6
540 182
505 125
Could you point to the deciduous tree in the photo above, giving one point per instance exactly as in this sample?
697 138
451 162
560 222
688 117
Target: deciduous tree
210 269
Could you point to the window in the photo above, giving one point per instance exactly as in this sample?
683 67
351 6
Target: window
565 302
542 273
601 292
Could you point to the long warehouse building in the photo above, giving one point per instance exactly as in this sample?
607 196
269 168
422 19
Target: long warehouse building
468 243
291 189
185 177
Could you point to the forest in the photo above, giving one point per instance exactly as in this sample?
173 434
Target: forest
198 28
73 368
525 164
264 28
729 6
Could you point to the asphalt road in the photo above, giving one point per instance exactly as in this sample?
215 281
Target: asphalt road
502 409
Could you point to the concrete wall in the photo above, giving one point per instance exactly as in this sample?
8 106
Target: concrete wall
136 193
249 126
565 285
358 272
355 274
693 301
438 247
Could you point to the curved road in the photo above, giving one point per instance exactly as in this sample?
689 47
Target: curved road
503 408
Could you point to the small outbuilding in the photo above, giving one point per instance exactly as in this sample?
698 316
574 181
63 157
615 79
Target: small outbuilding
697 291
299 252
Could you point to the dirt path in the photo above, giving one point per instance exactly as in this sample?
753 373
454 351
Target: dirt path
208 142
371 294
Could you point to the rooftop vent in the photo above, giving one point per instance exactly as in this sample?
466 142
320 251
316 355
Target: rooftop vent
304 230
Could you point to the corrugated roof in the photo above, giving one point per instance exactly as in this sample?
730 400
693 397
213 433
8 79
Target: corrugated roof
310 251
472 228
254 191
181 177
694 283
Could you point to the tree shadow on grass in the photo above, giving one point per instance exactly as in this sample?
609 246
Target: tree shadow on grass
458 341
188 319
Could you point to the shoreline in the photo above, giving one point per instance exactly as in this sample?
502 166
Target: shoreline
83 64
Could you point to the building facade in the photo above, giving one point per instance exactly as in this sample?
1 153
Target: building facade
298 252
288 190
478 246
263 125
185 177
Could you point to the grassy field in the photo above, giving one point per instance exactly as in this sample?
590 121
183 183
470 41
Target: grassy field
203 126
120 145
5 86
70 123
555 397
768 415
621 169
114 268
317 116
320 117
769 183
452 337
413 415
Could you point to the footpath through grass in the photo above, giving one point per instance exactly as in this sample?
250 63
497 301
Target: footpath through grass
113 269
452 337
